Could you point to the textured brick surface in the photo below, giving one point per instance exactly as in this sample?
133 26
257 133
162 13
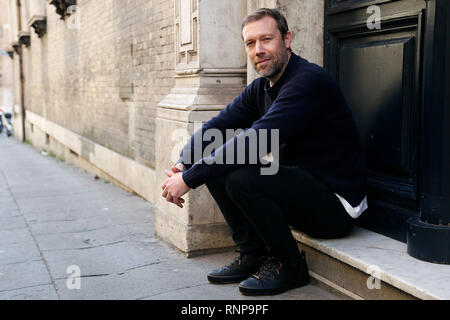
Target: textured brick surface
77 77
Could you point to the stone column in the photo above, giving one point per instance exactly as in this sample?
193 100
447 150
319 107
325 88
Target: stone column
306 22
428 235
210 71
24 29
38 17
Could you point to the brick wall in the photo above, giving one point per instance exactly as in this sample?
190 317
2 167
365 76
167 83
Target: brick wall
104 79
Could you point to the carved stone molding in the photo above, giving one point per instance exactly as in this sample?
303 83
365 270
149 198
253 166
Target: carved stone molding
24 38
15 46
210 69
186 33
10 53
39 24
62 6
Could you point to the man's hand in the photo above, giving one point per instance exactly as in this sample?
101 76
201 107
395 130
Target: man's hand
174 187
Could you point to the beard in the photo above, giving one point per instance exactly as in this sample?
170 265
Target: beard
274 66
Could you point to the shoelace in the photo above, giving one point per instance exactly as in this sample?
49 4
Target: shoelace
236 260
269 268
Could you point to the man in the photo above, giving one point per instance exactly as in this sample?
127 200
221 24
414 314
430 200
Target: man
319 187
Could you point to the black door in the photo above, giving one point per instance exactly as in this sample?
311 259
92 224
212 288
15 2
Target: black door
378 66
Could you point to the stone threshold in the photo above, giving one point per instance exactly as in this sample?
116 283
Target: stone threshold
368 265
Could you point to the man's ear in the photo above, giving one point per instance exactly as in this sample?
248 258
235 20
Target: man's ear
288 39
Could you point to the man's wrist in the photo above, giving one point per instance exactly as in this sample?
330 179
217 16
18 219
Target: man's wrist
180 166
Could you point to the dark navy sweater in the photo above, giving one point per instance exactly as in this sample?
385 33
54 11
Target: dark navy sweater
316 130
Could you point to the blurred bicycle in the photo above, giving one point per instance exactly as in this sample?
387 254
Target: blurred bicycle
6 122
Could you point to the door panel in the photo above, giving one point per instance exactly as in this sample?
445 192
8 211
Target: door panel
379 71
375 90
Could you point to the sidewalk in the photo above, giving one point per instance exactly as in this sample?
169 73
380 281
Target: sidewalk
54 216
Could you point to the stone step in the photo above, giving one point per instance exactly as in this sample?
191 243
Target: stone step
368 265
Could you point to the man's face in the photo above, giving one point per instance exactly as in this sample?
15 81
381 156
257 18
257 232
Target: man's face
265 47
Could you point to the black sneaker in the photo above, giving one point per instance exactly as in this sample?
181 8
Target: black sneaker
274 278
239 269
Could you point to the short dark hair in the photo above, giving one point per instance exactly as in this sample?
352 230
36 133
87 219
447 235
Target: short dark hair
266 12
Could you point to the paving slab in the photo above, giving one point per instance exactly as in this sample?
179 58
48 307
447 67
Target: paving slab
116 258
92 238
23 275
19 252
39 292
12 222
8 237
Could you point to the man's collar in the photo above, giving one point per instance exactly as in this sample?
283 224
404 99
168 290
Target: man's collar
273 90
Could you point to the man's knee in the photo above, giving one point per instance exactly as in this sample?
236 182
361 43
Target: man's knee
241 181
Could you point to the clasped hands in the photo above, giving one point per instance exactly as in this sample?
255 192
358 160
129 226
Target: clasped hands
174 186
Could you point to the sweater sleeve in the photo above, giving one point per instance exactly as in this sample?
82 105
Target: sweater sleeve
241 113
295 109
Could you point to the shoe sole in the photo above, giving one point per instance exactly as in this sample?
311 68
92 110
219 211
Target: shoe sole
270 292
227 280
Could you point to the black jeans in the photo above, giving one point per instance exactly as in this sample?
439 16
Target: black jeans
259 209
